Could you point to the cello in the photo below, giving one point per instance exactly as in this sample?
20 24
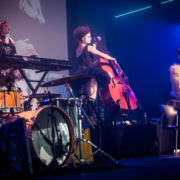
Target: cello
117 96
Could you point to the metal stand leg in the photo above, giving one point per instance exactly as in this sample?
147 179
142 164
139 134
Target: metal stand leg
176 133
160 136
118 101
99 150
30 85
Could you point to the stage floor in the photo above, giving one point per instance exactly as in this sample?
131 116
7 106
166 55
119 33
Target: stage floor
156 168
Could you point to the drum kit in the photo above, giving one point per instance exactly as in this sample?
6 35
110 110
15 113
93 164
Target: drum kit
53 129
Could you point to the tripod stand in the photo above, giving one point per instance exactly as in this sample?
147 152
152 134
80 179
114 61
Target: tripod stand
80 139
100 158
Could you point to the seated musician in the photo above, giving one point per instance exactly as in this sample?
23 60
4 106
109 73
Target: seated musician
174 97
175 78
85 54
7 47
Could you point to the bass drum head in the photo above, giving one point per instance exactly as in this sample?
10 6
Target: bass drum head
42 147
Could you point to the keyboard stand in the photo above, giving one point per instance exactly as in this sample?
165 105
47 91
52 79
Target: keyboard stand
34 90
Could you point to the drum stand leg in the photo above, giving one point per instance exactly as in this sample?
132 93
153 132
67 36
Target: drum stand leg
80 139
100 159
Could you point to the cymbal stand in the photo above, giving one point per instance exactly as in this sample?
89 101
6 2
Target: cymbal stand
80 117
80 139
101 152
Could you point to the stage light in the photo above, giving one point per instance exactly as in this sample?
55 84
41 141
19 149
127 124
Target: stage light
133 11
166 1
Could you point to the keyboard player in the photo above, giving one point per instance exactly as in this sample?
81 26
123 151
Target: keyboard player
7 46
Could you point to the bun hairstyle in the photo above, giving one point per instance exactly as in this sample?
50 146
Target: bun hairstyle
80 32
2 24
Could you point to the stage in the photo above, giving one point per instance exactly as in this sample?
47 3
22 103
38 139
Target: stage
166 167
134 141
135 147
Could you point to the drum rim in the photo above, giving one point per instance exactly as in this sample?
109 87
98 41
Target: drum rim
4 88
66 98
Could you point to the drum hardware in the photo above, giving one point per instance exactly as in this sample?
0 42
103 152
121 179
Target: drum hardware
45 102
99 150
43 95
40 140
11 101
80 117
63 80
70 108
80 139
70 79
57 148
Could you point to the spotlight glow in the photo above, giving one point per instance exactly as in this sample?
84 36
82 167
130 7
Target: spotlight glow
166 1
133 11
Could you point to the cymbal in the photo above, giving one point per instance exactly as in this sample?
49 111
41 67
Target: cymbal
43 95
63 80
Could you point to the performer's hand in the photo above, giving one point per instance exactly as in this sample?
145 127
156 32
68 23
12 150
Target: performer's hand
114 60
99 39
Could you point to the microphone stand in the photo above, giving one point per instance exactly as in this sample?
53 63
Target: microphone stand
100 125
54 162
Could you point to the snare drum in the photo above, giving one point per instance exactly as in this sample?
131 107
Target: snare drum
41 150
11 100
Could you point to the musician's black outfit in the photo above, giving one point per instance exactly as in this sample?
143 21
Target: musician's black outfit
8 49
86 67
8 76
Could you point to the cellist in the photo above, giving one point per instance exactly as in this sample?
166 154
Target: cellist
85 54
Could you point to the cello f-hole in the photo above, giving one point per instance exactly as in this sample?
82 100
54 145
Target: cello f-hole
113 83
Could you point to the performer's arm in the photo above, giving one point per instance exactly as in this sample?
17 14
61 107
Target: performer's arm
98 53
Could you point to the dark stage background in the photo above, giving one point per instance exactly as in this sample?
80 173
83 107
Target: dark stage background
144 43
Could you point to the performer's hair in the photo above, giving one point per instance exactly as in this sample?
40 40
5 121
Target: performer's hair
2 24
80 32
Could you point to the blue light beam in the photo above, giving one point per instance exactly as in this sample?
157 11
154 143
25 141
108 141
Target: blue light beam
166 1
133 11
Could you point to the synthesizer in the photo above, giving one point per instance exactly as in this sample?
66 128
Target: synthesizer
33 62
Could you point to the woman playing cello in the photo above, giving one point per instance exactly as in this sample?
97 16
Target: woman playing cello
85 54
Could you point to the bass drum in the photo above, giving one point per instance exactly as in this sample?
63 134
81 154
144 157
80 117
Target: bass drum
38 124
